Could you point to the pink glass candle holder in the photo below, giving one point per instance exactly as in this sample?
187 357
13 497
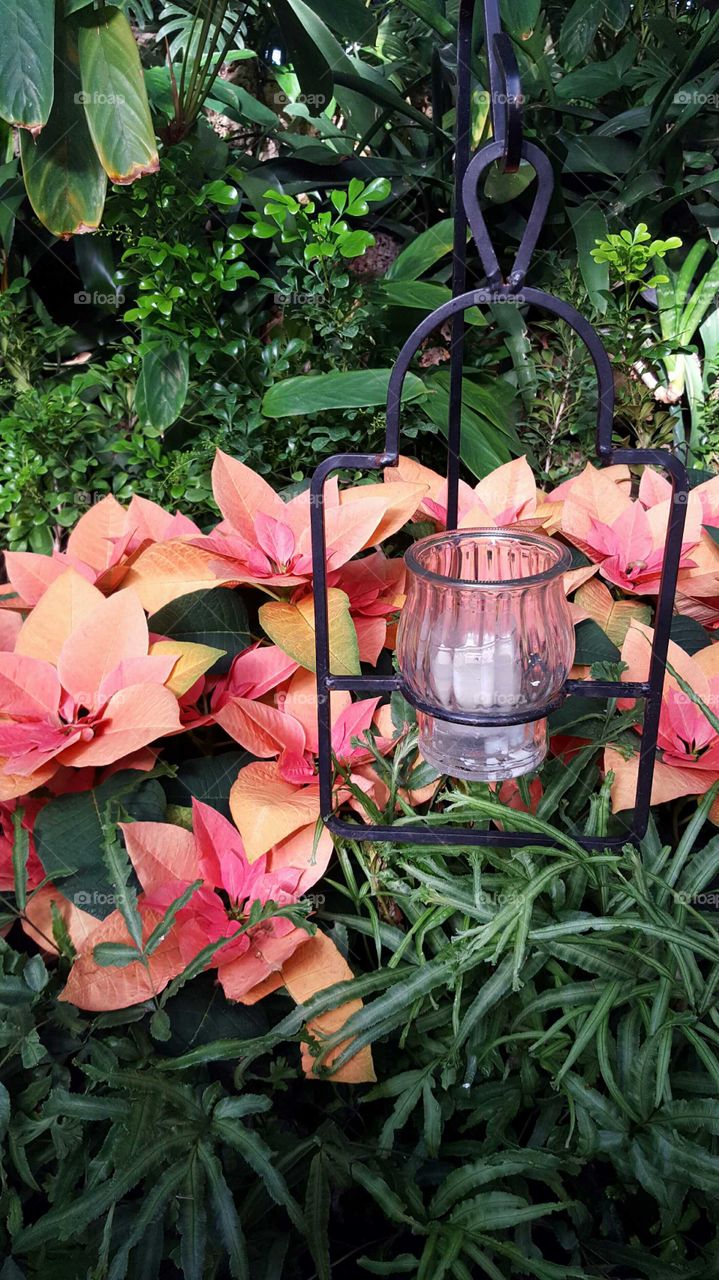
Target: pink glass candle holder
485 646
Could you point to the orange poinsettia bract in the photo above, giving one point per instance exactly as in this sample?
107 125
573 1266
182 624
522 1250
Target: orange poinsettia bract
619 533
83 686
273 798
264 541
688 745
168 860
101 548
507 496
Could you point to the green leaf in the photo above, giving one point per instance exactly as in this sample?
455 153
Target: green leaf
617 13
461 1182
313 50
208 778
353 21
115 99
70 836
26 62
239 105
420 295
150 1209
20 854
366 82
689 634
484 446
501 187
216 617
5 1110
497 1210
193 1222
423 252
63 1222
200 1013
255 1152
520 16
226 1215
593 644
579 29
315 393
589 225
64 179
115 955
161 388
317 1216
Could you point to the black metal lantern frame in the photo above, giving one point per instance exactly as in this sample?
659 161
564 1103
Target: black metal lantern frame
508 148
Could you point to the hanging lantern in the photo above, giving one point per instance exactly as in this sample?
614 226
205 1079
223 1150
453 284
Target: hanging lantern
485 645
485 641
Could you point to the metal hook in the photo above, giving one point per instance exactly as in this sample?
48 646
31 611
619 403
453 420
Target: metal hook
510 101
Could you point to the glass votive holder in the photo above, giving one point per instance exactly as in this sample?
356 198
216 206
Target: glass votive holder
485 645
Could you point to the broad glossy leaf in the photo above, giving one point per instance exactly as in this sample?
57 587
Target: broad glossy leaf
355 390
423 252
26 62
589 225
484 446
520 16
501 187
579 29
207 778
311 44
689 634
593 644
69 836
422 295
216 617
161 388
115 100
292 628
64 179
236 103
352 20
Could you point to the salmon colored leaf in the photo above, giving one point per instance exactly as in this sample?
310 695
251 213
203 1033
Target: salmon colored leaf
315 966
66 604
267 810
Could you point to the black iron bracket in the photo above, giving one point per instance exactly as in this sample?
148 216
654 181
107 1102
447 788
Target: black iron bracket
508 149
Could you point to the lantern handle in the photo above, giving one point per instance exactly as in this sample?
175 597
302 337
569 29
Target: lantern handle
505 86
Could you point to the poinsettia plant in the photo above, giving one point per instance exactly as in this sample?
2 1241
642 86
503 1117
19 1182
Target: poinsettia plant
158 718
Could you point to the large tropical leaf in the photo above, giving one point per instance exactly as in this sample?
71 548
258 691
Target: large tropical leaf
64 179
26 62
113 87
354 390
161 388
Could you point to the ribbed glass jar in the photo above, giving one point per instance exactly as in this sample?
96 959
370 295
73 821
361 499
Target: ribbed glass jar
486 631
